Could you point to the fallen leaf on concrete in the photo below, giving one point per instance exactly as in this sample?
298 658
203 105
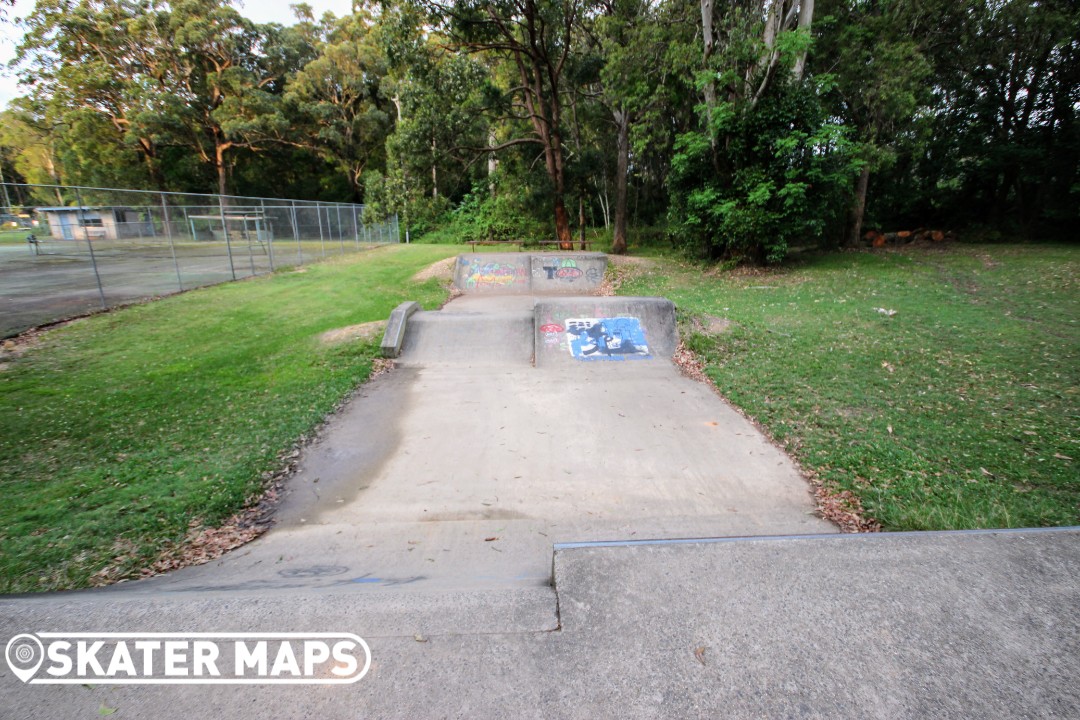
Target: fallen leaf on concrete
490 539
103 710
699 653
419 638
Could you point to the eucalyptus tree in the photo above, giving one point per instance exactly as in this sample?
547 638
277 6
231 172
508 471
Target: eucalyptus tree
339 100
539 39
82 61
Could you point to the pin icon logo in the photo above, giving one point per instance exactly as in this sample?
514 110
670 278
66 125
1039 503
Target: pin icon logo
24 656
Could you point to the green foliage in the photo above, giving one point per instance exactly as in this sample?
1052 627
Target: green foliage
777 176
483 216
963 113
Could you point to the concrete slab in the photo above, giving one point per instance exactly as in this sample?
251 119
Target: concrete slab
951 625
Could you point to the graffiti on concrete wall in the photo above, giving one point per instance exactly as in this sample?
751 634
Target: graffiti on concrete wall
565 269
619 338
552 333
479 274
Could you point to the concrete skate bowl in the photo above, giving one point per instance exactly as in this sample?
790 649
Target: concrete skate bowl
566 273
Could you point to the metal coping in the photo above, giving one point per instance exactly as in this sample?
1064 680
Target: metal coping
822 536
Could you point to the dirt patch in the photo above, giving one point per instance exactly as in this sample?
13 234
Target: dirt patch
14 348
441 270
710 324
363 331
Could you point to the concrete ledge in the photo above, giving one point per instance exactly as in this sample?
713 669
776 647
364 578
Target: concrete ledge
904 625
395 328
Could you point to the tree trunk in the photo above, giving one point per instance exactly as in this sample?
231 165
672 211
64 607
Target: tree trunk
581 220
618 243
222 172
562 224
806 17
710 84
493 162
434 171
858 207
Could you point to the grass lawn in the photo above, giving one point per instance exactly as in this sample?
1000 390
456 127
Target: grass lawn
15 237
118 430
962 410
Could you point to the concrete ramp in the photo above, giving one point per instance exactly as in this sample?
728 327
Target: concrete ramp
473 338
572 331
566 273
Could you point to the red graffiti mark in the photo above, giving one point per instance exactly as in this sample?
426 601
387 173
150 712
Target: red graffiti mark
568 273
551 328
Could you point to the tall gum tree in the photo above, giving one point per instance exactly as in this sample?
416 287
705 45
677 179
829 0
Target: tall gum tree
538 37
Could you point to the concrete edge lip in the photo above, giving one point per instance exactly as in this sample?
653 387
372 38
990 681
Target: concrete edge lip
394 335
829 536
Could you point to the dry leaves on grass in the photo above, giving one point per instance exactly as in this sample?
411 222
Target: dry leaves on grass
690 365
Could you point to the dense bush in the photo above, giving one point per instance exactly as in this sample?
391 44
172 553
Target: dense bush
769 176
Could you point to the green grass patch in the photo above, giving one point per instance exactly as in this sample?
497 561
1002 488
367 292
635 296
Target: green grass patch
960 411
15 237
118 430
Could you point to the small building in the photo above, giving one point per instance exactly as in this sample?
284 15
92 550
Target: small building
96 223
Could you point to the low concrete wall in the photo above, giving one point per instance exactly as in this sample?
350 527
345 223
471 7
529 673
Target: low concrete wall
558 273
604 329
394 334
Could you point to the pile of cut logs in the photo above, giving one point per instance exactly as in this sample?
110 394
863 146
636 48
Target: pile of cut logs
876 238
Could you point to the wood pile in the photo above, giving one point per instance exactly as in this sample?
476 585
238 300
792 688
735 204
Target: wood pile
878 239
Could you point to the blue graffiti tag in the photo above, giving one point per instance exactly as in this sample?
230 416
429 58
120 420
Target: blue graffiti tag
619 338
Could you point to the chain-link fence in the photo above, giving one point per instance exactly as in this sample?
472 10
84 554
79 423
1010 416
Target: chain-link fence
96 248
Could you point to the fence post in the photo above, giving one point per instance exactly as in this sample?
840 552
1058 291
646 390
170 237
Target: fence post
89 244
172 247
318 216
269 234
356 225
225 229
296 234
247 236
340 234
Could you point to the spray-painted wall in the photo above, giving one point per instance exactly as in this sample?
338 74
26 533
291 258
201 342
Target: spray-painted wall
524 273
